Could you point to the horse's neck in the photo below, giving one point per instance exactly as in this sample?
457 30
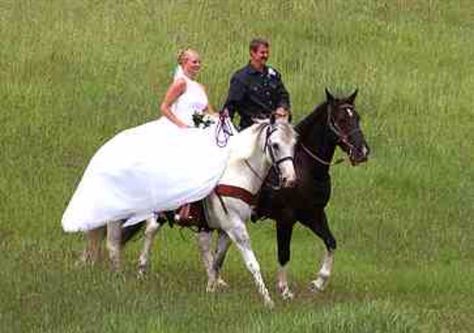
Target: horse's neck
315 136
258 166
247 166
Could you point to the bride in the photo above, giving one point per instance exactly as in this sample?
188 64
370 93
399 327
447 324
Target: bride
158 166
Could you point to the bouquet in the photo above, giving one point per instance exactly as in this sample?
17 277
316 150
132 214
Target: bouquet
202 120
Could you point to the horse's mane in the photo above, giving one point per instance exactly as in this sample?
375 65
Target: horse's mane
243 144
307 122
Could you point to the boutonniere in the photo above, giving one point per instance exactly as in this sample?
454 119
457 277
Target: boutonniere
202 120
271 72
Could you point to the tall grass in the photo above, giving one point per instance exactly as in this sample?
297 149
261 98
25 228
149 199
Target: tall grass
72 74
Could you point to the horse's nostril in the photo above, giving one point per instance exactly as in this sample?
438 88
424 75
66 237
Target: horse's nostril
290 183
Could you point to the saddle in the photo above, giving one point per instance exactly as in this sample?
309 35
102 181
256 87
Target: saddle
191 215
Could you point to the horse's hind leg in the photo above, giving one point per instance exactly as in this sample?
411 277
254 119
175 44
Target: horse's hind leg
114 234
284 232
240 237
322 280
204 238
223 243
320 227
152 227
213 263
93 250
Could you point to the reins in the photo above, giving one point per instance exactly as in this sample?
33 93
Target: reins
340 135
223 130
318 159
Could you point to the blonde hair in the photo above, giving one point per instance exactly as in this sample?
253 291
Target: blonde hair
183 54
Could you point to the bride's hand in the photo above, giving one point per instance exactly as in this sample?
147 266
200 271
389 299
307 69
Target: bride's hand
182 125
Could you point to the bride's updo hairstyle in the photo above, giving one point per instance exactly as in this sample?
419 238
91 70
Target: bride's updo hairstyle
183 55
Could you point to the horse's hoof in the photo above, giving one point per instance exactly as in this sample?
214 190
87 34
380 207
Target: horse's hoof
84 259
269 304
211 287
319 284
116 268
286 294
221 284
142 271
81 262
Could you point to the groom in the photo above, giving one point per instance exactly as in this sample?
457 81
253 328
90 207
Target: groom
256 90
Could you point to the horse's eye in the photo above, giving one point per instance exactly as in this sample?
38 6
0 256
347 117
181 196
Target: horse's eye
275 146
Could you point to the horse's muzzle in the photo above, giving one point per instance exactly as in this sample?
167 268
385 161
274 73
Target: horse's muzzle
358 156
288 183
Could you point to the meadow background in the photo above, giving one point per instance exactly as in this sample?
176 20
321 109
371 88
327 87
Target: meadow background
74 73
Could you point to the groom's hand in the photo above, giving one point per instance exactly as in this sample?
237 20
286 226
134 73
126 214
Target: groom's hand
224 113
282 113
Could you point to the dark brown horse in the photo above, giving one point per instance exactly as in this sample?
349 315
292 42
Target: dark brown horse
333 123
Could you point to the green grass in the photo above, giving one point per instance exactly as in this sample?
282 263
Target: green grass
74 73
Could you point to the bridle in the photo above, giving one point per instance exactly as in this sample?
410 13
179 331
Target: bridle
269 130
275 162
334 127
341 137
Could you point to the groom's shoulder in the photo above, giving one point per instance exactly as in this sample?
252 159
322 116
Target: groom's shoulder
243 71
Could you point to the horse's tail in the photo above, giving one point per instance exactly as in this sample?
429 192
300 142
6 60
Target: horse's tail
129 231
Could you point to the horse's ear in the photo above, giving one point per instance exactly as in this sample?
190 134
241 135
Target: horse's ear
352 97
329 97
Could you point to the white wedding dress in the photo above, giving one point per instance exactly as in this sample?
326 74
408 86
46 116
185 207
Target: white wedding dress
150 168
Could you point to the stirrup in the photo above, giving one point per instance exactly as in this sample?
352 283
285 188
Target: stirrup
183 213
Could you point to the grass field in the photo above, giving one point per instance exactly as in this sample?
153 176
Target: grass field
74 73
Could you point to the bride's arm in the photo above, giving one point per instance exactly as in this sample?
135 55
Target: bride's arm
176 89
209 108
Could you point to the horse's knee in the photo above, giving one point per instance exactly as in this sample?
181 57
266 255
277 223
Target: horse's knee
239 235
331 244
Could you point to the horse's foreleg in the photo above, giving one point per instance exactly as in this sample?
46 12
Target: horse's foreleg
284 232
92 251
240 237
321 228
114 233
152 227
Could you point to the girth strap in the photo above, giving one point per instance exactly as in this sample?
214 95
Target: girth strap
235 192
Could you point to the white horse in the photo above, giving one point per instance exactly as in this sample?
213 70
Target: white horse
253 151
